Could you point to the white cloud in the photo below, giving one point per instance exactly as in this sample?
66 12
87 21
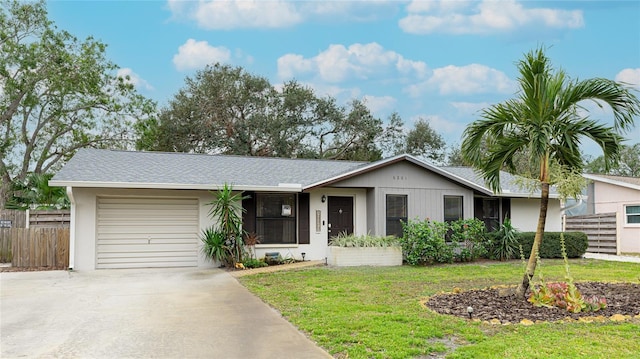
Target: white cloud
291 65
467 80
378 104
227 14
360 61
128 75
486 17
630 76
234 14
469 108
197 54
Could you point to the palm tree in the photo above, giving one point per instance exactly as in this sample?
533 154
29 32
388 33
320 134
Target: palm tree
546 123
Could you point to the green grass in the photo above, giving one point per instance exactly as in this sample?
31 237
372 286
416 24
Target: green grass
370 312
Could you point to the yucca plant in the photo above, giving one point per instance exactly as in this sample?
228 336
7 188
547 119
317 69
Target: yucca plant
505 241
226 209
214 246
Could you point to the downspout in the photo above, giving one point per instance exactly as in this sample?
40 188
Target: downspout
72 229
580 201
565 209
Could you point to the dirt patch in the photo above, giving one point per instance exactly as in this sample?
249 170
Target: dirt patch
28 269
275 268
501 304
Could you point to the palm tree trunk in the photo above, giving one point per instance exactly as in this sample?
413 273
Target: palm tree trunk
533 257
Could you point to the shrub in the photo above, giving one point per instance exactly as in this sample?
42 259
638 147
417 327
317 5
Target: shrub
503 244
468 236
576 244
423 242
350 240
254 263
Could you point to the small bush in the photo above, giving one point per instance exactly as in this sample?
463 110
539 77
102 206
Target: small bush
254 263
576 244
214 246
468 237
424 242
350 240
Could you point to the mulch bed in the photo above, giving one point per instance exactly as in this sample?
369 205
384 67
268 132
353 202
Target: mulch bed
502 304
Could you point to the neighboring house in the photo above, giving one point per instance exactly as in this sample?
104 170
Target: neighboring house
621 195
147 209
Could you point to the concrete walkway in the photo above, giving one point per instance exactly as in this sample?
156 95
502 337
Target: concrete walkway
611 257
145 313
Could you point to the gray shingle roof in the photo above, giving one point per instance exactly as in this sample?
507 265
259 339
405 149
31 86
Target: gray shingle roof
196 170
110 168
508 182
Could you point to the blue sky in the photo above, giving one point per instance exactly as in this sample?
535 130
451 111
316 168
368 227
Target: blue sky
438 60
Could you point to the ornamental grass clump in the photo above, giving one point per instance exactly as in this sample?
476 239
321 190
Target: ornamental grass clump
351 240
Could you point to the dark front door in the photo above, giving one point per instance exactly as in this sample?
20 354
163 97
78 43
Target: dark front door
340 215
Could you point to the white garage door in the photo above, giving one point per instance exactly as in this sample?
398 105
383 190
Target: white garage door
147 232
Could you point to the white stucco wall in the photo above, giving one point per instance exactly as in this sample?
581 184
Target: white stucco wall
525 213
612 198
85 207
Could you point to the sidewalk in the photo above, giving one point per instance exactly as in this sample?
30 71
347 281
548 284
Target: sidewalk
611 257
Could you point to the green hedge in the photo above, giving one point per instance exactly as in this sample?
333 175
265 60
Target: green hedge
576 244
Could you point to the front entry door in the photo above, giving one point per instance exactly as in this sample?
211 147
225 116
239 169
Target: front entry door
340 215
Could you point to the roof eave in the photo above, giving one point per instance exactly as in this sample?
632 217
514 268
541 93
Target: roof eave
525 195
611 181
281 187
395 159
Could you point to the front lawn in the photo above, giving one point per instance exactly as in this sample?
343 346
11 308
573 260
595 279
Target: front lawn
370 312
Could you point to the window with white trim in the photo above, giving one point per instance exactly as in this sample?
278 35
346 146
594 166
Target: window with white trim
632 214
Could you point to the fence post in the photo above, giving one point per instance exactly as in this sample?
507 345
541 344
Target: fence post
617 233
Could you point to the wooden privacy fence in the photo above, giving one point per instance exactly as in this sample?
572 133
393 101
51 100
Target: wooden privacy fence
49 219
601 230
45 243
10 218
38 247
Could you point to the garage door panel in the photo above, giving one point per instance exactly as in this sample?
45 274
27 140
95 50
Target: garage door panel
144 255
146 213
144 247
159 262
144 239
147 232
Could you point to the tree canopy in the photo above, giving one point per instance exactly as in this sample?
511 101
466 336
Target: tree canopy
543 124
224 109
628 165
57 94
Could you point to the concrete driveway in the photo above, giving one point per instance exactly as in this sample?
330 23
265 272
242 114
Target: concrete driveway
145 313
